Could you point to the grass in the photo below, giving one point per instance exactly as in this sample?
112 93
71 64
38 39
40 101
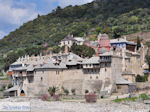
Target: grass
5 78
141 96
125 99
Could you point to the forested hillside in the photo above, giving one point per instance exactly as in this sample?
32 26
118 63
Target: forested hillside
115 17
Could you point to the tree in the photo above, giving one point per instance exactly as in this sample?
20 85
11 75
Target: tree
86 91
82 50
142 78
139 78
11 58
73 91
66 91
138 43
52 90
106 30
56 49
117 32
133 20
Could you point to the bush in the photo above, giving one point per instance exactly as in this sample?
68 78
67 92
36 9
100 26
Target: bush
86 91
144 97
66 91
56 97
10 86
102 97
73 91
142 78
3 88
91 97
44 97
52 90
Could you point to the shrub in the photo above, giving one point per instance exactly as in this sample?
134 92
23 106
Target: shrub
3 88
144 97
56 97
10 85
86 91
102 97
91 97
66 91
52 90
142 78
73 91
44 97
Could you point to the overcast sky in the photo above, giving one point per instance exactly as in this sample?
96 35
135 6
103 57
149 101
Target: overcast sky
14 13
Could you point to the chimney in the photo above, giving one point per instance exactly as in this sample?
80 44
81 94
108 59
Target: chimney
40 55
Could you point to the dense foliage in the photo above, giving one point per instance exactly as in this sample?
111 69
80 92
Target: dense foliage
14 55
82 50
142 78
115 17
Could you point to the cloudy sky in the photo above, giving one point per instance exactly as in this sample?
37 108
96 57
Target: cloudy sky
13 13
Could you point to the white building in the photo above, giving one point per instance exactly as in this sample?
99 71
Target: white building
70 40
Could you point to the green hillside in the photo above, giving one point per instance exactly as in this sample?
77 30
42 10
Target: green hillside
115 17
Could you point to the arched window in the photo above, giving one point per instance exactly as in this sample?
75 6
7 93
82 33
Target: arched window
22 93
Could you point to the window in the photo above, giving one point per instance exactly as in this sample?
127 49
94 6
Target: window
90 77
57 72
96 77
41 78
30 79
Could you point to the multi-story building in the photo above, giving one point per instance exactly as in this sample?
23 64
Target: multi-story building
70 40
112 70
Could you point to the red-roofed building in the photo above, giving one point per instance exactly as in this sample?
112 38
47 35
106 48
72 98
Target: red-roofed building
104 43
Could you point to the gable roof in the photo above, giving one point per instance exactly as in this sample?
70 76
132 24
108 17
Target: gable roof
68 38
92 60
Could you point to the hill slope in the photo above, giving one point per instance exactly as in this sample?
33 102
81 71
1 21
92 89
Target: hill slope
120 16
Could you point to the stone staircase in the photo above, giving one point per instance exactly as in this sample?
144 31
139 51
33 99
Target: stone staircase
106 89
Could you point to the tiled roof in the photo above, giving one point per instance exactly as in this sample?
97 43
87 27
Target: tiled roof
128 72
122 81
121 40
15 88
71 63
16 63
93 60
20 68
30 68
